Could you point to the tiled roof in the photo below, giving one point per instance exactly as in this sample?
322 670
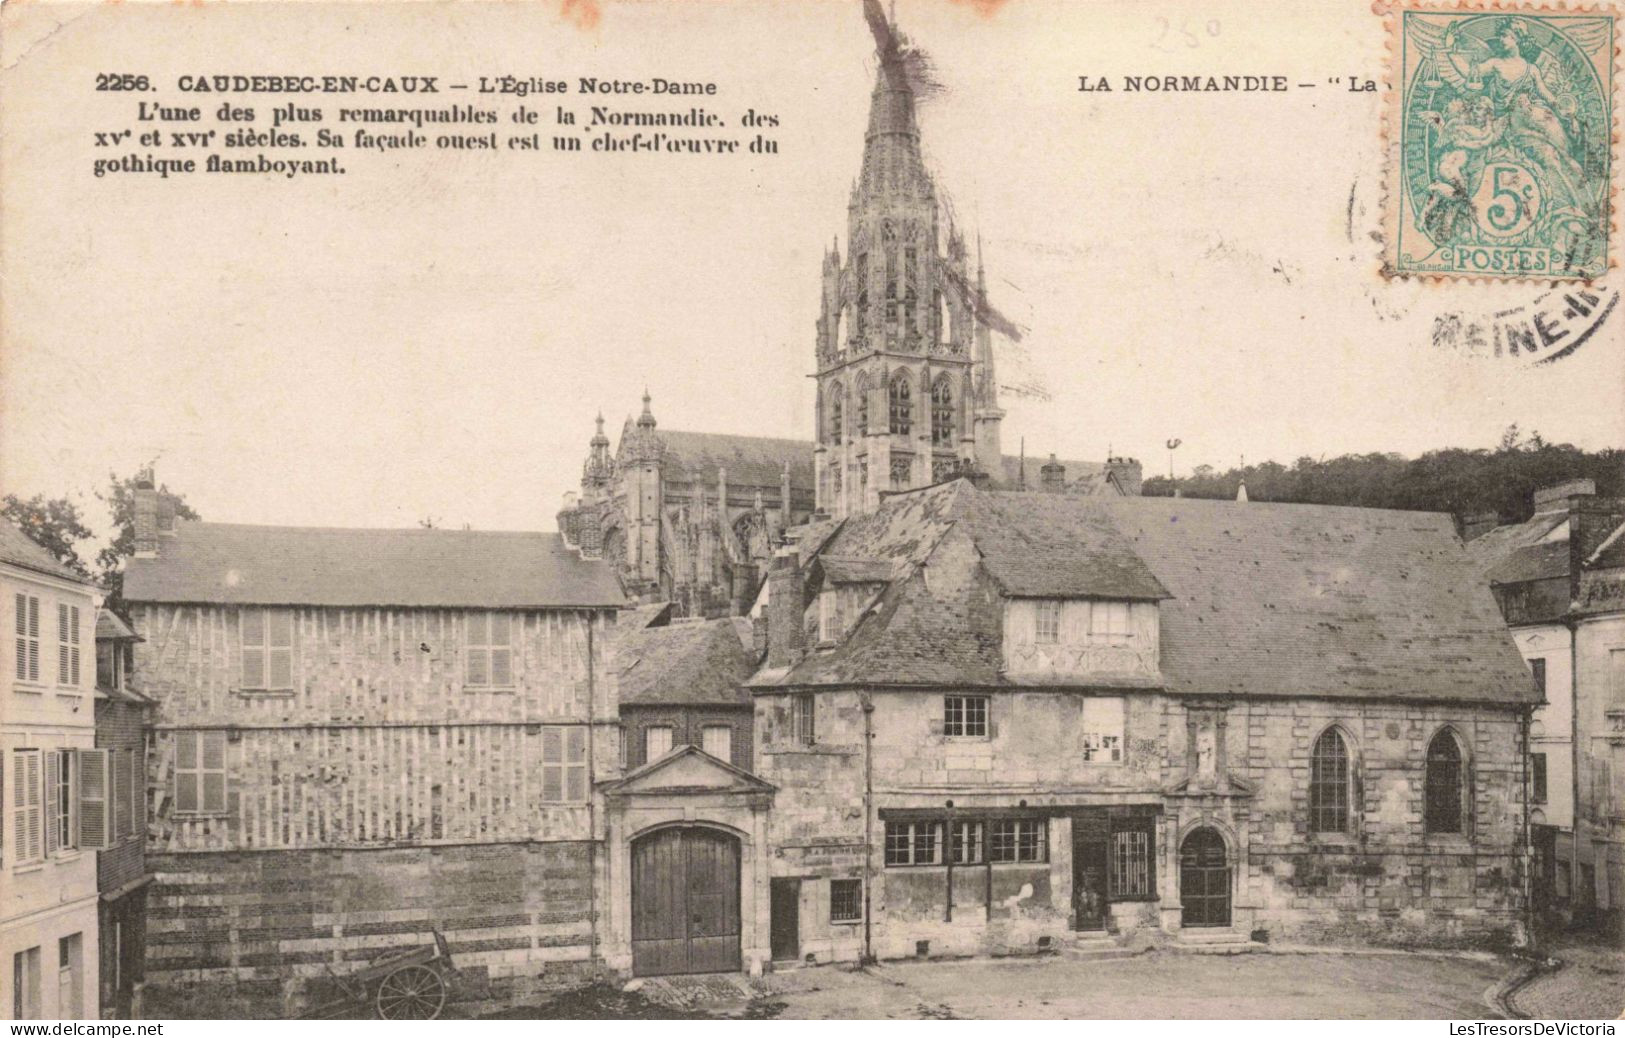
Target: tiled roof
18 549
1610 554
648 614
755 461
847 569
686 662
1518 552
289 565
1263 599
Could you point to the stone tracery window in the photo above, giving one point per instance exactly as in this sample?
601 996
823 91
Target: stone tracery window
900 398
860 391
1329 784
942 412
837 414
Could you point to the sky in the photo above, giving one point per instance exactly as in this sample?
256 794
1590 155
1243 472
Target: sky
432 334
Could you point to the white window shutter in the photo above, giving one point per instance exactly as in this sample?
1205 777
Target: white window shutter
94 783
19 802
33 842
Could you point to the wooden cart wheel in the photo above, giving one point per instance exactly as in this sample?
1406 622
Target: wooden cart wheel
411 993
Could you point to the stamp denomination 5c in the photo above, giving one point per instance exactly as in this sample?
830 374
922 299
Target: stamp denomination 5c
1501 143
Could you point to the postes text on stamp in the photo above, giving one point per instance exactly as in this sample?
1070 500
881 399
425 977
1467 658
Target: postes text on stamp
1500 143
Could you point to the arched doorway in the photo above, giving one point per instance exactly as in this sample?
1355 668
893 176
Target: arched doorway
1204 878
685 902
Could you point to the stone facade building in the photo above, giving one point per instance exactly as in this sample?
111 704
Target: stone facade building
362 736
1560 581
994 721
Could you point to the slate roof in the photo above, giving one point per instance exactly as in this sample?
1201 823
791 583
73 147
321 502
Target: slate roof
289 565
1045 546
1315 600
756 461
1519 552
1262 599
685 663
18 549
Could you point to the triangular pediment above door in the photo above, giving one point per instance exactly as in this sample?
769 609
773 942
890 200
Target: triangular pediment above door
687 769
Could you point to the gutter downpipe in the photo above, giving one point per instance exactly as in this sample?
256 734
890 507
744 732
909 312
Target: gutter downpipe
1574 764
592 801
868 827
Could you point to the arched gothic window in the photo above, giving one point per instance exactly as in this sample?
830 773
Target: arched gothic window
860 391
1329 784
942 412
837 413
901 404
1444 784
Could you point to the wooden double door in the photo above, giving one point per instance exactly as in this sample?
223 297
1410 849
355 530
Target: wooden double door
1204 879
685 902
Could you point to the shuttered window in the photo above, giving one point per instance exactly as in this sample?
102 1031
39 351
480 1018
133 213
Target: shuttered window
267 649
200 772
564 763
67 645
27 637
95 784
489 651
26 812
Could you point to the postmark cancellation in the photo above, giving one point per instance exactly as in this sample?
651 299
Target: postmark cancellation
1501 142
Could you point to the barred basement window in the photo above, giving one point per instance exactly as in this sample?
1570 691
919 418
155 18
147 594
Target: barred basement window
965 716
564 763
1329 784
1443 784
1130 873
913 843
1019 840
845 900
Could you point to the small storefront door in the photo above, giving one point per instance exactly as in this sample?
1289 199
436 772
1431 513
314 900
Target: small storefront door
1089 836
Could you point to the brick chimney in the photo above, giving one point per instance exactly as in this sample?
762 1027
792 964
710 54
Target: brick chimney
786 609
1563 491
1125 472
1052 477
145 507
1478 524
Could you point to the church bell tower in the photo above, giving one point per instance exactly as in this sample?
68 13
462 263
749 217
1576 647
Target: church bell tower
906 396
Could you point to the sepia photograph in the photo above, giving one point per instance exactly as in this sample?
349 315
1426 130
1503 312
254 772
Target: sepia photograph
773 510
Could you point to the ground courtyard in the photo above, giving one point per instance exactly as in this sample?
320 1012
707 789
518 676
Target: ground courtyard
1161 985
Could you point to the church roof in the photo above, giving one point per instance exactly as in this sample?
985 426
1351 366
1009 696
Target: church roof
238 564
753 461
1254 599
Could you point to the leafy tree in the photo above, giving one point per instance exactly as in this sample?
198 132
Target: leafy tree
1456 480
53 523
120 501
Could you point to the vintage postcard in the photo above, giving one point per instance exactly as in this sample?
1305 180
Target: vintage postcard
752 510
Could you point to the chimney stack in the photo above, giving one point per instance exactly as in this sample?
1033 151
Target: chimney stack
1125 472
786 608
145 507
1052 477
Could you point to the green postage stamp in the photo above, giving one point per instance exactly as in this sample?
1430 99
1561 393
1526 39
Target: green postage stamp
1501 143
